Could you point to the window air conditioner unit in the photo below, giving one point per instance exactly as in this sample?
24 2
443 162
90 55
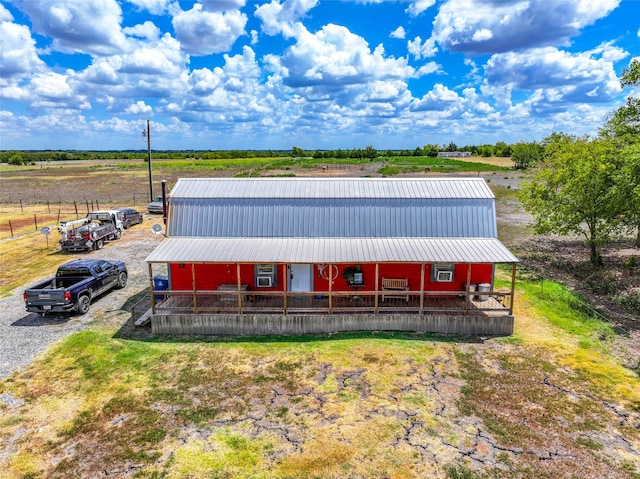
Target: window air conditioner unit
264 281
444 276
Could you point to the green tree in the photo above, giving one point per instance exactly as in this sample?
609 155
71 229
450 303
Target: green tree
16 159
623 127
628 188
297 152
370 152
431 150
573 191
631 75
624 123
502 149
525 155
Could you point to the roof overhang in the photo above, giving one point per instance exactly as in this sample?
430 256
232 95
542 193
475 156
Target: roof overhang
331 250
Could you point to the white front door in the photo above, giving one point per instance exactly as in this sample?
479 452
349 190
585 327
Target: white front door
301 277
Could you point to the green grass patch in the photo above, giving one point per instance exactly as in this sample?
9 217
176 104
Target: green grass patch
569 312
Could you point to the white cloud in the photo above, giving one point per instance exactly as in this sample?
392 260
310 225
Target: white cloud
420 50
146 30
439 98
398 33
19 56
152 69
571 76
279 17
203 33
419 6
482 35
139 108
53 91
155 7
254 36
5 15
477 27
73 26
333 58
428 69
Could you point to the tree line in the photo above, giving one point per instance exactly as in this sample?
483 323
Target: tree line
22 157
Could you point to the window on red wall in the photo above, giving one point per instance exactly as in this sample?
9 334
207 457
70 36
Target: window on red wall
266 275
442 273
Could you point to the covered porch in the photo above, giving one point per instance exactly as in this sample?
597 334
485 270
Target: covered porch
242 308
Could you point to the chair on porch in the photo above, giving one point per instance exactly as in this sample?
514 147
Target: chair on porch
394 288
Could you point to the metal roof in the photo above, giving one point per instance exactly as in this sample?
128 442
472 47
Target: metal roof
332 217
330 250
347 188
328 207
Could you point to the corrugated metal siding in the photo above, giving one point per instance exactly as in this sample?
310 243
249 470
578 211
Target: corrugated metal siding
331 188
331 250
332 217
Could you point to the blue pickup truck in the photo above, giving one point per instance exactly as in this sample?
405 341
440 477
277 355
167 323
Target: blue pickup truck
75 285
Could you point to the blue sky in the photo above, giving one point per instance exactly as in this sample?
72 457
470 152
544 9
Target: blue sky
317 74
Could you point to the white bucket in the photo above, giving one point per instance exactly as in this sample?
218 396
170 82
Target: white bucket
483 287
472 288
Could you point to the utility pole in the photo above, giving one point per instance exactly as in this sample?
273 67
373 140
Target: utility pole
147 133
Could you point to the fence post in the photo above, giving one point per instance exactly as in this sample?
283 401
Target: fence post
58 220
21 209
11 227
35 220
75 205
48 207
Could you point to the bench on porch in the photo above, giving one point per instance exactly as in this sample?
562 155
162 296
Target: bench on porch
394 288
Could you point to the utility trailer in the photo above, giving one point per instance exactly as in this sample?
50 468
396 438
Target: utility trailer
92 232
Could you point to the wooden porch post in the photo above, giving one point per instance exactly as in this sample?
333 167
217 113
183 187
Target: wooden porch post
513 288
422 270
285 287
466 306
153 296
376 298
239 288
193 284
331 288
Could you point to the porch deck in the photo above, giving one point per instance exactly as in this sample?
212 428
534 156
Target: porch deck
312 313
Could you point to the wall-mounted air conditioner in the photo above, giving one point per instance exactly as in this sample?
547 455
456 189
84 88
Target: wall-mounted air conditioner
263 281
444 276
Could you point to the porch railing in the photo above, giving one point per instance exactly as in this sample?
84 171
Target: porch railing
492 302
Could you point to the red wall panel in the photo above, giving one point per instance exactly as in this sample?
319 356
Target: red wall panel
210 276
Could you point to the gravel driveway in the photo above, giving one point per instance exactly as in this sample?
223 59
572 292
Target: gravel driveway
24 336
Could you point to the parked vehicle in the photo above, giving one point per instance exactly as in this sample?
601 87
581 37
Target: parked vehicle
130 217
75 286
156 206
91 232
113 215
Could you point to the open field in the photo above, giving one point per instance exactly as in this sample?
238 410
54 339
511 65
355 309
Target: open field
559 399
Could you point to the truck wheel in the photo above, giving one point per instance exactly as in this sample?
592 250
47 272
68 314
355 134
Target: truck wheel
118 234
99 244
122 280
83 304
